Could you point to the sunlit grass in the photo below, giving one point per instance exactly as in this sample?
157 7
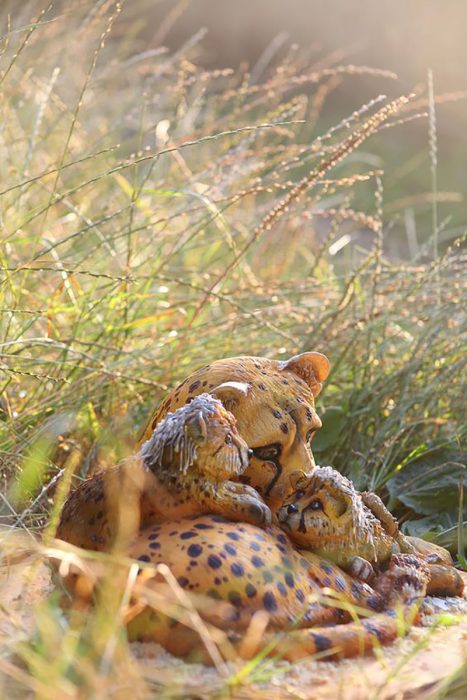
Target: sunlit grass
155 216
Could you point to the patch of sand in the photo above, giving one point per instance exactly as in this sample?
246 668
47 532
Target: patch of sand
412 667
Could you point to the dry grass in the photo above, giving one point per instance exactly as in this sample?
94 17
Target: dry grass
155 216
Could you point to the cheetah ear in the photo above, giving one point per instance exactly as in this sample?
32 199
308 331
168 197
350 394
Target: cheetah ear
312 367
230 393
196 428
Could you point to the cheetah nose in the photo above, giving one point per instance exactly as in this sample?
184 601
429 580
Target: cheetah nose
292 508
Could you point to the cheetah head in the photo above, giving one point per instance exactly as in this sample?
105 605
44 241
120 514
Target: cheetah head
202 436
275 413
325 512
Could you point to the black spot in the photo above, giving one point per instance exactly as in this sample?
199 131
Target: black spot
237 569
153 536
255 546
289 579
325 567
373 629
100 514
183 581
300 596
250 590
230 549
269 601
144 557
308 414
155 545
340 583
203 526
235 598
194 550
355 589
282 539
277 414
193 386
267 576
257 562
188 535
212 593
218 519
286 562
282 589
374 602
262 387
284 381
322 643
214 561
233 535
284 427
217 581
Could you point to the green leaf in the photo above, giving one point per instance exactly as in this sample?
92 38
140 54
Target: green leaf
441 529
333 424
429 528
36 460
429 482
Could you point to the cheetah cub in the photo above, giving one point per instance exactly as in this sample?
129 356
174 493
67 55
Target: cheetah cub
187 467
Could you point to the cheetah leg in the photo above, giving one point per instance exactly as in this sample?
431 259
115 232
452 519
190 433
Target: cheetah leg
237 502
379 510
403 586
324 574
360 568
444 581
433 553
345 641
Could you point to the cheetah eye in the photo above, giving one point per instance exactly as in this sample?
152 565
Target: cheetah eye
228 439
267 452
298 495
316 505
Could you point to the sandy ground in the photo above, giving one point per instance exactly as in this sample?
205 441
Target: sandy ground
397 674
410 668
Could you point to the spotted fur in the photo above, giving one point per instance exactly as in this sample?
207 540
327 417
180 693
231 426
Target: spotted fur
186 467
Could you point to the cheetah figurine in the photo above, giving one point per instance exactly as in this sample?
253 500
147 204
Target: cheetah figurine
187 467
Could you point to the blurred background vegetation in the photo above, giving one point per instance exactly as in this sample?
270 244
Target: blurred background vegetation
171 195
